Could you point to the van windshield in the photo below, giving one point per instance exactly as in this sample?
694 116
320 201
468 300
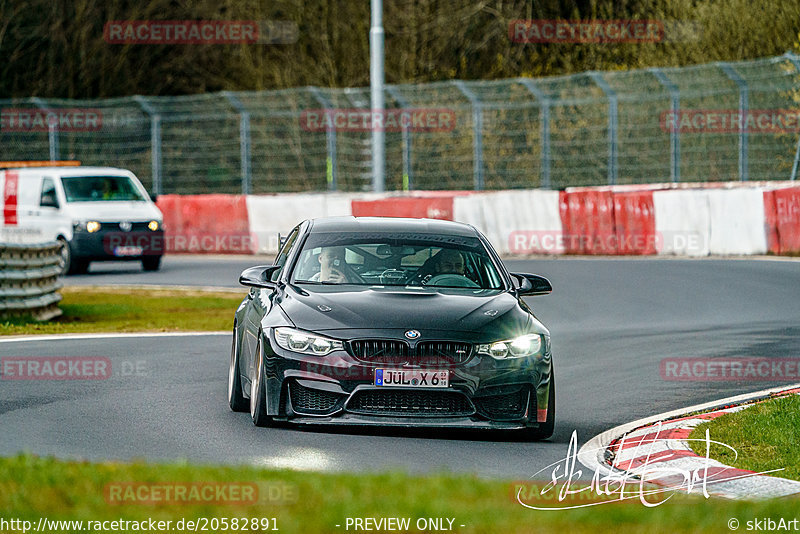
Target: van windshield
100 188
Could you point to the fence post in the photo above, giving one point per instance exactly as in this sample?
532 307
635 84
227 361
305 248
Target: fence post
674 133
155 141
330 138
477 134
408 178
52 130
612 124
544 121
744 109
795 60
244 139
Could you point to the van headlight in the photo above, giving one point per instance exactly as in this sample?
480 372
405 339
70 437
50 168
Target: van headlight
88 226
153 225
519 347
303 342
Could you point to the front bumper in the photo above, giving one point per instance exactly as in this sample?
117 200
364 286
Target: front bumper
111 243
339 389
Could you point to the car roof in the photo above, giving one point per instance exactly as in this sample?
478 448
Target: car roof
391 224
72 171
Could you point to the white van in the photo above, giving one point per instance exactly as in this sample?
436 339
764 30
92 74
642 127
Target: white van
97 213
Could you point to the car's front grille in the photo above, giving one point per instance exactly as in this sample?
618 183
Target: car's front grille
504 403
443 352
383 351
312 401
410 403
395 352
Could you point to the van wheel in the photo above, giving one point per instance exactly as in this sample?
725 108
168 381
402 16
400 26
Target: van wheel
64 255
151 263
68 264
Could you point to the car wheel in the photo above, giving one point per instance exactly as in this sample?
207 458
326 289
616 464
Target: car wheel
235 398
151 263
64 255
258 393
545 430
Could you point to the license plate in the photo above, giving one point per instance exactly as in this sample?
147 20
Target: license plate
412 378
128 251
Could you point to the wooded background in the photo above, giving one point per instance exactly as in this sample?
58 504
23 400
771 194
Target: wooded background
56 48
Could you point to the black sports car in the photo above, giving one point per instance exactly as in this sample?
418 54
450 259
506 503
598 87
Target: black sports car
391 322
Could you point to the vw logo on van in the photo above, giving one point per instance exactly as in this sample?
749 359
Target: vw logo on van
125 226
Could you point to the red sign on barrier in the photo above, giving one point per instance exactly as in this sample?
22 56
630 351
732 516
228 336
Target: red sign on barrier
782 213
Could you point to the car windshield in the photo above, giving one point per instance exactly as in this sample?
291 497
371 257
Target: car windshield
100 188
393 259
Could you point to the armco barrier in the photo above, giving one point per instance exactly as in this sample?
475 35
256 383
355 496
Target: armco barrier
29 280
782 215
206 223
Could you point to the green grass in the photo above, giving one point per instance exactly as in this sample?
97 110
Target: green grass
765 435
133 310
32 487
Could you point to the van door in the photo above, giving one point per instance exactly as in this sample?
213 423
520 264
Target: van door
47 215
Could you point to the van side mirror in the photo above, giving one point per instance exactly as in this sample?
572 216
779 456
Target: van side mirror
532 284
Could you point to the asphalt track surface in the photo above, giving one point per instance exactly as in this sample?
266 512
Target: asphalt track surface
612 322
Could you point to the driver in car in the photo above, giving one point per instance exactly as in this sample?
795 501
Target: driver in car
449 261
332 267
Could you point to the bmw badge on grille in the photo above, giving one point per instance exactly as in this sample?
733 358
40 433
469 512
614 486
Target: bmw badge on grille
413 334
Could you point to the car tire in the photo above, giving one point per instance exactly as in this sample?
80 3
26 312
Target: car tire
258 392
152 263
235 397
68 264
546 429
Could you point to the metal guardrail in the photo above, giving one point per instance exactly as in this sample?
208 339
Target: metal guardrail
29 280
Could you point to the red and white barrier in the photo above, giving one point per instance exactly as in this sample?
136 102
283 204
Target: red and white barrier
732 218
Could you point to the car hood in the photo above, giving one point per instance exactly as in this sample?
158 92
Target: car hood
111 210
350 310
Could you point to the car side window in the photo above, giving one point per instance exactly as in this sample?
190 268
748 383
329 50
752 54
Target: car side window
283 253
48 197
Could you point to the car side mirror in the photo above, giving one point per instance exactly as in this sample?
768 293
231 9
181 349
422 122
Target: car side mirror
260 276
532 284
49 200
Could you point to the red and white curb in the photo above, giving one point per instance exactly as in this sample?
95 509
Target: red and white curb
657 449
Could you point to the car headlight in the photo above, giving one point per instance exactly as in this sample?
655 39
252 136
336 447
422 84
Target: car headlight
305 342
520 347
153 225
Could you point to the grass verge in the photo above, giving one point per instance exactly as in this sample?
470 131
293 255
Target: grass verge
133 310
765 436
32 487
